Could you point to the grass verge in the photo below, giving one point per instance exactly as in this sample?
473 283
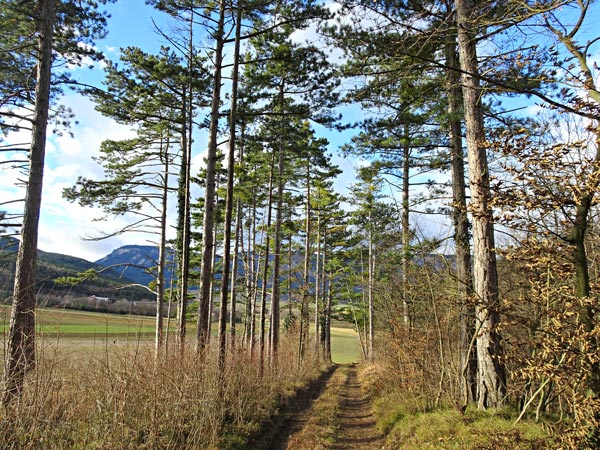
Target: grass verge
447 428
120 397
409 425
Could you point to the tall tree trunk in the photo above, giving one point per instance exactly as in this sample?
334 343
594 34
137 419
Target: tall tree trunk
229 194
327 304
206 273
371 276
162 247
252 282
460 221
328 309
213 280
169 306
363 307
587 314
265 277
238 240
406 226
20 352
317 285
238 236
303 335
290 270
183 207
491 376
275 297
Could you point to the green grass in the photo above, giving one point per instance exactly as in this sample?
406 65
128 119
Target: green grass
70 323
448 429
345 347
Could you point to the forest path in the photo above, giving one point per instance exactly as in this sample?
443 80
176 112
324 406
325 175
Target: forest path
356 421
333 413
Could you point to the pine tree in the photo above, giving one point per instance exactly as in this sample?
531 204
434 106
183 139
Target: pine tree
491 375
147 93
59 27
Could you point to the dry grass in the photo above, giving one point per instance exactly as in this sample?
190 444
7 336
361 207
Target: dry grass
119 397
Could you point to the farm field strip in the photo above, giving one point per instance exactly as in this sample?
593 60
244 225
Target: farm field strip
69 325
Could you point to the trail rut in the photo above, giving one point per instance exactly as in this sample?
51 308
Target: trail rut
352 426
356 421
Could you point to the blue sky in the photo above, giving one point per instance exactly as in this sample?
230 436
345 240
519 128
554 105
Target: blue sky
62 224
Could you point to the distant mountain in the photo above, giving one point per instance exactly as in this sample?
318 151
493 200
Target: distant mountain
54 265
135 262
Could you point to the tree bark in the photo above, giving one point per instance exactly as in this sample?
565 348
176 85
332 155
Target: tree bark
328 309
460 221
229 195
265 277
162 247
206 273
587 314
406 226
328 303
275 297
183 223
370 299
303 335
20 353
318 282
491 377
252 281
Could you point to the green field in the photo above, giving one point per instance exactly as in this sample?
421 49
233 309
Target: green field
82 326
345 347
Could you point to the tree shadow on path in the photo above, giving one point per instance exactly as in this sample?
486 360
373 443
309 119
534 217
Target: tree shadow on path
292 417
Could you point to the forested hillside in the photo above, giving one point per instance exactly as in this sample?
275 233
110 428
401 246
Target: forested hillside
295 165
53 266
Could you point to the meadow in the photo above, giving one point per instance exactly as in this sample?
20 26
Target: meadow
70 327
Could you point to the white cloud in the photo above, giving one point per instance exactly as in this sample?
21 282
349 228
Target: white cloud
63 224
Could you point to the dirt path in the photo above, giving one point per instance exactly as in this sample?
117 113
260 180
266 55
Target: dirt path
333 413
293 418
356 421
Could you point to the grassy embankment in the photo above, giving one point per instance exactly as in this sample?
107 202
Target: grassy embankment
409 424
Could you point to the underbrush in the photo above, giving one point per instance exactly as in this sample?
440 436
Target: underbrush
124 399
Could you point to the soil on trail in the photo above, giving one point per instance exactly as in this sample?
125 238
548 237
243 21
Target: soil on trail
354 421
